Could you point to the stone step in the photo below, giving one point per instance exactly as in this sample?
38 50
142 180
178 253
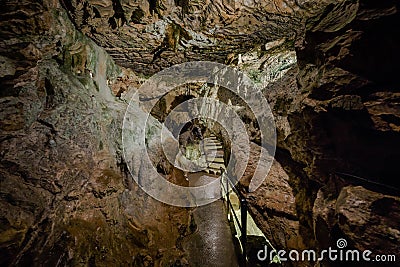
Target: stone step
215 157
212 143
211 140
218 160
216 166
213 146
210 157
211 150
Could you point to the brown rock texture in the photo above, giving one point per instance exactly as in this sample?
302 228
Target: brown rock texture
347 77
368 219
65 194
348 119
148 36
273 205
338 111
328 69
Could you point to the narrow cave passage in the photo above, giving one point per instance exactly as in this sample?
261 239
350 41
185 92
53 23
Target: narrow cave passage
86 178
212 244
221 232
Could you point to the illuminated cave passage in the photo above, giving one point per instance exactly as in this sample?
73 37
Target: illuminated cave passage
77 173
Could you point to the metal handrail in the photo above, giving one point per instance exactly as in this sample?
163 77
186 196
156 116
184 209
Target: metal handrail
369 184
231 211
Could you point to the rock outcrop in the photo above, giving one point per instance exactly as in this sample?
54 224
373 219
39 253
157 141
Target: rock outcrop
337 117
366 219
149 35
65 194
347 120
347 76
328 69
273 205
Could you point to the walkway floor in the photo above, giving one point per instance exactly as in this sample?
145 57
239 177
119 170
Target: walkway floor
212 244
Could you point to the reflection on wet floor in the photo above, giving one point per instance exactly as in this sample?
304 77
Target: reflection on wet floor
212 244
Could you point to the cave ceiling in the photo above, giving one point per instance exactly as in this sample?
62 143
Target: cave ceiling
149 35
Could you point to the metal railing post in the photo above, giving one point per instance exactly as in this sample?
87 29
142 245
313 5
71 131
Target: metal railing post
243 209
227 198
232 216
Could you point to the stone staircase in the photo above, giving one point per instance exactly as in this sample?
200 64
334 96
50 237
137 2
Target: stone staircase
214 155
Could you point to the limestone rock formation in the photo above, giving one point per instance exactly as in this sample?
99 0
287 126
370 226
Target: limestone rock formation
366 218
65 194
337 112
348 120
273 205
327 68
148 36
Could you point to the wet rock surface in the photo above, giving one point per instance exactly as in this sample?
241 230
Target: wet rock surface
342 77
367 219
148 36
346 82
66 197
273 205
327 68
332 115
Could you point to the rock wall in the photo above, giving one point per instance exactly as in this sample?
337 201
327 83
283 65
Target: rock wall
149 35
330 78
338 112
348 122
347 75
65 194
